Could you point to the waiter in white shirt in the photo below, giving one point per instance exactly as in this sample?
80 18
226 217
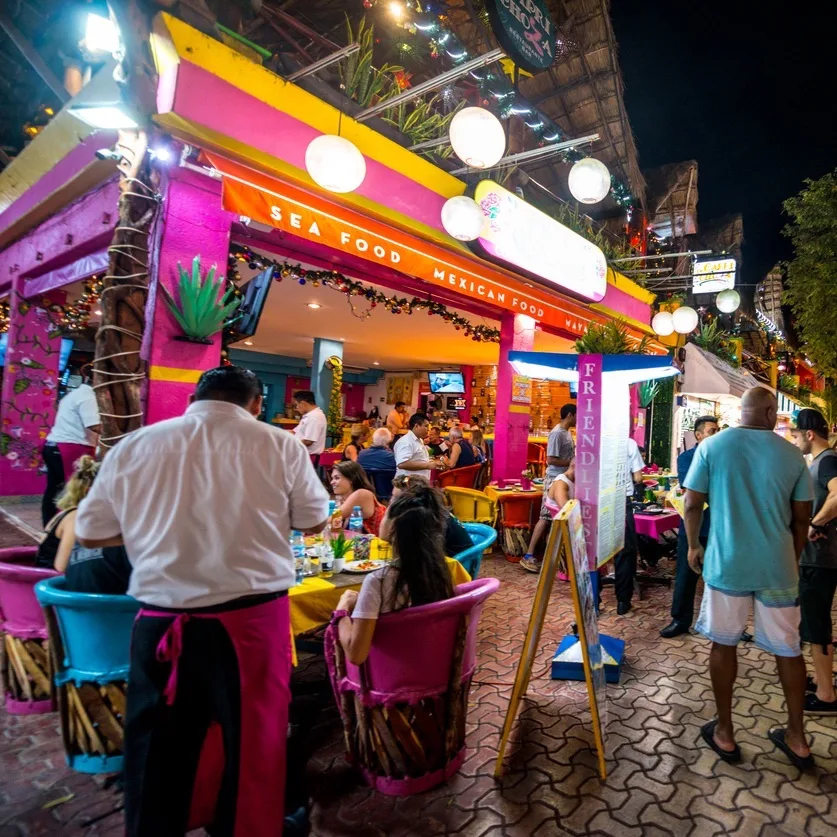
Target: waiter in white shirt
205 504
625 561
411 456
312 427
74 434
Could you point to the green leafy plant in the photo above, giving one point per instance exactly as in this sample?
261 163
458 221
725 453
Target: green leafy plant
202 308
787 383
610 338
713 339
647 391
421 120
358 78
341 546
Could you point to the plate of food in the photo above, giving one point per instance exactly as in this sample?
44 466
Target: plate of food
653 509
363 566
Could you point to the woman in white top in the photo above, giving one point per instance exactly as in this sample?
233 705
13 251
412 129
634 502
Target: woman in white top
562 489
415 525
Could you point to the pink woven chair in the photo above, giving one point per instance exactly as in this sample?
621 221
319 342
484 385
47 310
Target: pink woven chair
404 709
25 672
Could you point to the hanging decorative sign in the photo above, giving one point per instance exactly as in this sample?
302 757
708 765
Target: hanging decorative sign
714 275
525 30
521 389
520 235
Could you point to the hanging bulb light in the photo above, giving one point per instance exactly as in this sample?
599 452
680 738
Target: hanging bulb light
663 323
463 218
477 137
728 301
685 320
335 163
589 180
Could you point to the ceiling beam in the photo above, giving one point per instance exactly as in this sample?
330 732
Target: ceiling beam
31 55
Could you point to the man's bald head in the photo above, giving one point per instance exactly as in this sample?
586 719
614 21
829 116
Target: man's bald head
759 408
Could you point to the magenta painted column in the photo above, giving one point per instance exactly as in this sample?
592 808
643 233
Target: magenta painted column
192 223
511 430
30 391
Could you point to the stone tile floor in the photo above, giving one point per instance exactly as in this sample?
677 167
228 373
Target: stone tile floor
661 780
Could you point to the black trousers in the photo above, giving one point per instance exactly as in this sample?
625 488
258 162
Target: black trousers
55 481
625 561
685 583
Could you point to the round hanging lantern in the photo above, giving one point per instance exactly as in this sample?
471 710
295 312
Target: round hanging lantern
462 218
685 320
663 323
589 180
335 163
728 301
477 137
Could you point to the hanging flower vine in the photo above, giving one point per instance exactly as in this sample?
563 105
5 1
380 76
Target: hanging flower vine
335 404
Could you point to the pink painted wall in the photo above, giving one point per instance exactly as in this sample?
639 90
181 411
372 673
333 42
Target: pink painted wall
511 434
354 398
638 430
191 223
295 385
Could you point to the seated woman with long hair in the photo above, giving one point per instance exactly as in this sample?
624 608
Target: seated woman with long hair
100 570
418 574
361 433
352 488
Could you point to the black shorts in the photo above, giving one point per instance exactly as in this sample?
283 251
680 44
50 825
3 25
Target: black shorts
817 586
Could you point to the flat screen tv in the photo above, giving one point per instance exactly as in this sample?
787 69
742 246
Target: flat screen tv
450 382
4 341
64 355
246 319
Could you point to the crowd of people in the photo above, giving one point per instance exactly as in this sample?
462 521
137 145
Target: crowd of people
158 521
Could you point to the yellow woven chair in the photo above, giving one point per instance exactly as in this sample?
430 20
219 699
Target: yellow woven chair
471 506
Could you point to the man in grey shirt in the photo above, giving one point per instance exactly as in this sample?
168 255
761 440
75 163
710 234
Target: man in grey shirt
560 449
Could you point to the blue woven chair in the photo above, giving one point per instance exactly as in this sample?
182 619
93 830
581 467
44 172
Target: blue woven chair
482 536
90 641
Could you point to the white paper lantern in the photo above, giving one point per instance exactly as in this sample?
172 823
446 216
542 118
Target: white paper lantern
335 163
685 320
477 137
462 217
589 180
728 301
663 323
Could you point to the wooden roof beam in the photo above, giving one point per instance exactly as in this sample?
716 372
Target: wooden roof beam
567 88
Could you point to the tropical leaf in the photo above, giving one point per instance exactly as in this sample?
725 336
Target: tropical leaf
202 308
647 392
610 338
5 441
21 385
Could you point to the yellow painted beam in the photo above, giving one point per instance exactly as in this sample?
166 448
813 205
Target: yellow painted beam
174 375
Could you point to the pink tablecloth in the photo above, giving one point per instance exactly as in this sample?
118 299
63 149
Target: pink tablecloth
654 525
328 458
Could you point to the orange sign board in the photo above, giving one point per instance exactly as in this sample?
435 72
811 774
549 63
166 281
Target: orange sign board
299 213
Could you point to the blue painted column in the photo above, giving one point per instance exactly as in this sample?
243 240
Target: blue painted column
321 375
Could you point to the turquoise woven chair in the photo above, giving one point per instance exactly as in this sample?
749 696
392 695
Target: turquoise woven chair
90 638
482 536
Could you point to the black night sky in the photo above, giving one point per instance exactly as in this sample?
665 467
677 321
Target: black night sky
748 89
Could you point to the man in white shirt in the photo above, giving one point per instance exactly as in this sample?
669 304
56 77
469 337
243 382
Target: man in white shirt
411 456
204 505
74 434
312 427
625 561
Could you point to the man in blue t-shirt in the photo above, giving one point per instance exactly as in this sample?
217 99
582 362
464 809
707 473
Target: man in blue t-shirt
760 492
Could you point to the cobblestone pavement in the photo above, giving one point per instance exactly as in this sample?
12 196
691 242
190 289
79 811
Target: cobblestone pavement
661 780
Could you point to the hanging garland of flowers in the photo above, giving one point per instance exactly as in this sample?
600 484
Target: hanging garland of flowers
75 317
335 404
358 290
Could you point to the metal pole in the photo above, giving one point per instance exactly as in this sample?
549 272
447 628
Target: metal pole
529 156
432 84
351 49
665 255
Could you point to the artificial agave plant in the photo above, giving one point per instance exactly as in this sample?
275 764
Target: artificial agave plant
202 308
647 392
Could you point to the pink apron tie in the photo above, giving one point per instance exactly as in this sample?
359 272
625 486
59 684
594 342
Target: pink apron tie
169 650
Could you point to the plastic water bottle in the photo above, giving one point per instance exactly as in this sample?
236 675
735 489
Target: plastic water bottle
326 556
356 520
298 551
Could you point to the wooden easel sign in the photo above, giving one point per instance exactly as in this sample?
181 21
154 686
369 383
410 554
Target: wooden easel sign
566 537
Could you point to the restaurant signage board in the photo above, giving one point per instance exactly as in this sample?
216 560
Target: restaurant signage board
518 234
521 389
525 30
713 275
601 458
299 213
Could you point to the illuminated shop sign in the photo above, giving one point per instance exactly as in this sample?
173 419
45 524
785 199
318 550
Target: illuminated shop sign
519 235
709 277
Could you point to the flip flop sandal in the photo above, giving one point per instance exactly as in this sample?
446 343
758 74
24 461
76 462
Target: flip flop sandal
777 736
707 733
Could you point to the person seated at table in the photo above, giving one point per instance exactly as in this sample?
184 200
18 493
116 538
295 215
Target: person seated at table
457 538
352 488
436 445
478 444
97 570
417 575
360 436
378 457
461 453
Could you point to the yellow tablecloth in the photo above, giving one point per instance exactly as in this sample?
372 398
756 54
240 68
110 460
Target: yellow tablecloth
495 493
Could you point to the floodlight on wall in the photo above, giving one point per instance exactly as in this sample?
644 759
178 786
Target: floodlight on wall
111 116
101 34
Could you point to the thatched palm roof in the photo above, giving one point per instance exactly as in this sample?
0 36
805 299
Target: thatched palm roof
672 199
